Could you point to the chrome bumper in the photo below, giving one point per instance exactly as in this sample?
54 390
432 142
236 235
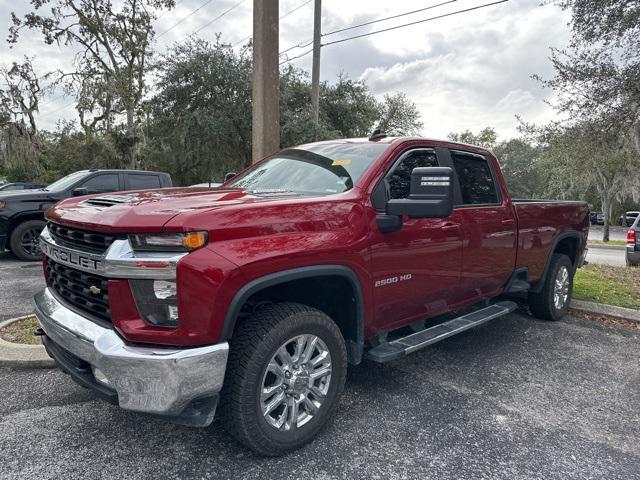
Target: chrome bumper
164 381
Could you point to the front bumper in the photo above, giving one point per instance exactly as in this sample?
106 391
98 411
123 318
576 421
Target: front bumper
182 384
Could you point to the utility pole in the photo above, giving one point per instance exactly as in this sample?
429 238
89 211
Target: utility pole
266 79
315 71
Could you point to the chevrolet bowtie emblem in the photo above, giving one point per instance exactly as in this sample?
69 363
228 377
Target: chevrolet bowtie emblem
95 290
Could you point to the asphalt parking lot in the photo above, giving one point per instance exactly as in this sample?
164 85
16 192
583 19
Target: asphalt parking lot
19 281
517 398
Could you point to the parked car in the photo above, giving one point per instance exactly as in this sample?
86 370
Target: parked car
263 290
630 218
22 211
21 186
632 254
596 218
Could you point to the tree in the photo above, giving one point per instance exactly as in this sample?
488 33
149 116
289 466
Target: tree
587 156
200 120
399 116
112 60
598 77
20 97
486 138
519 162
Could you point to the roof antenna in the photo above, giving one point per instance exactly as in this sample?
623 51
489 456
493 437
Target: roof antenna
377 134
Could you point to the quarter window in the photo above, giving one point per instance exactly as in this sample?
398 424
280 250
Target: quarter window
476 182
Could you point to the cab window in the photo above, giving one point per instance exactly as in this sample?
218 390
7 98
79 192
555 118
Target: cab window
399 180
107 182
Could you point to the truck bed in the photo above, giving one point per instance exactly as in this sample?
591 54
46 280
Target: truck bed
540 223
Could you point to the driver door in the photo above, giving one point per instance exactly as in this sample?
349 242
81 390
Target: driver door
416 270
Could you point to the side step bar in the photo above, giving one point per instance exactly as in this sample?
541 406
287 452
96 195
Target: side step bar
402 347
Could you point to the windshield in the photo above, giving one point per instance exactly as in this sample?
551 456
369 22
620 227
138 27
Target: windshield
65 182
323 169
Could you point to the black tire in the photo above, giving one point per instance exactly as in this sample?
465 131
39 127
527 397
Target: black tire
542 304
24 241
252 347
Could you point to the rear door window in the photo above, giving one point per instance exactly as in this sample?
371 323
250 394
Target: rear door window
477 185
143 182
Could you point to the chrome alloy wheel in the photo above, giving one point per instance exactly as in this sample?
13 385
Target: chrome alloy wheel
561 288
296 382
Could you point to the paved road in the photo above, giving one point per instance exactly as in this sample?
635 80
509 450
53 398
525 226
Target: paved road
514 399
19 281
615 232
607 256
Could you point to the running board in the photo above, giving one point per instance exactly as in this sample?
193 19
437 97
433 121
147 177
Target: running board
402 347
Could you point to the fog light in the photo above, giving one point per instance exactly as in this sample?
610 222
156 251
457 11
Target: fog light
156 301
101 377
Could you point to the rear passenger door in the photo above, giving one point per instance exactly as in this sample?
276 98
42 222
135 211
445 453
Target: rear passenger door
488 226
141 181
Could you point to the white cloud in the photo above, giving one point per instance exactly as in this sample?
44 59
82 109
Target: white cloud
465 71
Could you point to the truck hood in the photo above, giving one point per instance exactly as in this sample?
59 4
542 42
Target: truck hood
25 195
149 210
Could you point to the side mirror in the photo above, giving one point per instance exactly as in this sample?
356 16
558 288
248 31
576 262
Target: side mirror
431 194
229 176
78 192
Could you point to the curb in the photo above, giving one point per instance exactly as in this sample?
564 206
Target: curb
18 355
604 309
606 247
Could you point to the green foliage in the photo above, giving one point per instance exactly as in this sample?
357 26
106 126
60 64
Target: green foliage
399 116
519 161
486 138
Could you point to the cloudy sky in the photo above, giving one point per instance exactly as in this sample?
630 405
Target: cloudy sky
466 71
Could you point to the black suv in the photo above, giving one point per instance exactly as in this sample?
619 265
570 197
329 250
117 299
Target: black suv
22 212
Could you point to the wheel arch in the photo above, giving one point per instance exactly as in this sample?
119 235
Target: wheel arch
351 323
568 243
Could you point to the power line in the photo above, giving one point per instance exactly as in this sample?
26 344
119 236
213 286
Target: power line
283 16
388 18
207 2
296 57
396 27
219 16
306 44
415 23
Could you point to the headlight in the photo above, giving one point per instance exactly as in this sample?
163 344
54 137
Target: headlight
156 301
170 242
3 204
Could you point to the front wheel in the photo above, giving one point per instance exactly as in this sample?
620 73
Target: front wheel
286 369
25 240
553 300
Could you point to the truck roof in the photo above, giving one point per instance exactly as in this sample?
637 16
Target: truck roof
393 140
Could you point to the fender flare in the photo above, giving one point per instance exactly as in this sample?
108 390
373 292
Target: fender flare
284 276
537 287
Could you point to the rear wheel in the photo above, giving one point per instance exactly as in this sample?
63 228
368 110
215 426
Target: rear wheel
286 370
25 240
553 300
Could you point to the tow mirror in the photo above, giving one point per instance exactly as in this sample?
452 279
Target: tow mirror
431 194
78 192
229 176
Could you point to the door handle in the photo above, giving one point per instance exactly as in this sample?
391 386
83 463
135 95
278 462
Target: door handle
508 221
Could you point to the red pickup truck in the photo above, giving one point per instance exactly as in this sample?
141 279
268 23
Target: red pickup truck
252 298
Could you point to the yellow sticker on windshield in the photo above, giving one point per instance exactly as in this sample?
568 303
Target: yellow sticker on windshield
341 163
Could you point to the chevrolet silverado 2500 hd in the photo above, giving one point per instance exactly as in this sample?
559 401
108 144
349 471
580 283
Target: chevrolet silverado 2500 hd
252 298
